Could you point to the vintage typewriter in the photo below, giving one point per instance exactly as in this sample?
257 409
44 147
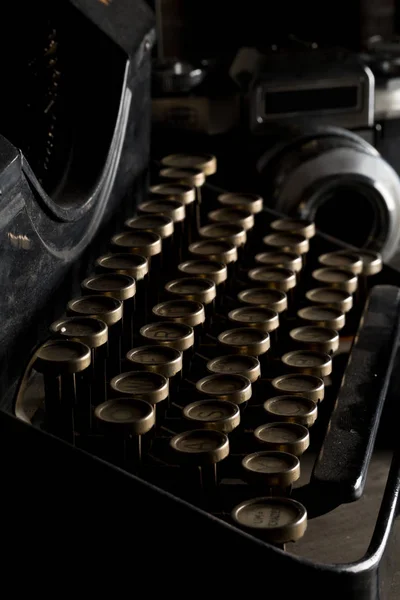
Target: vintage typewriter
199 392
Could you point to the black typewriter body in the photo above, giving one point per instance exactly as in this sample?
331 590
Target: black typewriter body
94 516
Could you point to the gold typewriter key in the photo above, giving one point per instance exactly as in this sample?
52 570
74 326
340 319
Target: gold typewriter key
271 469
193 288
240 216
275 520
190 312
337 278
309 362
213 413
208 269
248 366
299 226
323 316
190 176
288 242
218 250
226 386
283 437
171 208
288 260
251 202
300 384
175 191
157 359
245 340
169 333
321 339
144 243
59 361
205 162
259 317
155 223
228 232
276 278
333 297
128 264
273 299
126 420
142 385
344 259
292 409
372 262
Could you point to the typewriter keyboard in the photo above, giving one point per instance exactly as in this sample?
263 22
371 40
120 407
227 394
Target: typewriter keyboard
206 351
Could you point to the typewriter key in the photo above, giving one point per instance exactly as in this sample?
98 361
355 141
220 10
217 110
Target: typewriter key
331 297
155 223
59 361
245 340
337 278
344 259
273 299
142 385
109 310
208 269
309 362
240 216
218 250
248 366
299 226
300 384
251 202
288 242
372 262
172 334
226 386
283 437
292 409
126 420
259 317
323 315
93 333
276 278
171 208
190 176
321 339
128 264
271 469
205 162
163 360
276 520
287 260
220 415
174 191
193 288
228 232
189 312
144 243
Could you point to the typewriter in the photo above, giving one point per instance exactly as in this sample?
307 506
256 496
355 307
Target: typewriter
205 385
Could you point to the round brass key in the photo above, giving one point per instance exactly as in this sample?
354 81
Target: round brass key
226 386
129 264
116 285
345 259
88 330
169 333
248 366
171 208
337 278
218 250
323 315
259 317
292 409
273 299
299 226
205 162
105 308
175 191
251 202
321 339
190 312
157 359
144 243
276 520
271 469
245 340
62 357
300 384
190 176
193 288
288 260
213 413
155 223
143 385
330 296
228 232
309 362
283 437
240 216
208 269
276 278
372 262
288 242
